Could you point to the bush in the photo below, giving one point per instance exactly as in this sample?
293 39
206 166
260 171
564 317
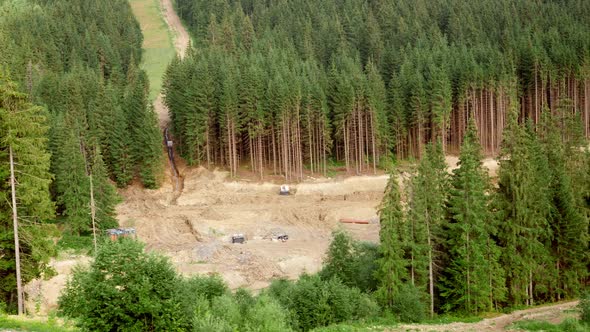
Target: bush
229 313
353 262
266 315
125 289
76 243
408 306
206 287
568 325
313 302
584 307
218 314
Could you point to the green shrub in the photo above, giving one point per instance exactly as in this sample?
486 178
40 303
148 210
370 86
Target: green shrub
266 315
77 243
353 262
314 302
245 300
125 289
568 325
207 287
584 307
205 320
408 306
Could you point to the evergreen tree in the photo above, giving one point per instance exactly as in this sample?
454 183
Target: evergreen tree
105 195
23 129
391 273
72 184
569 222
524 204
151 163
430 189
466 281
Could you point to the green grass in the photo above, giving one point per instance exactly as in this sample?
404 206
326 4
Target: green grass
31 324
568 325
158 49
81 245
447 319
372 324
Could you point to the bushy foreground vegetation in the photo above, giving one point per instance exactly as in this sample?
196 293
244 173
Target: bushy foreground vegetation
74 110
128 289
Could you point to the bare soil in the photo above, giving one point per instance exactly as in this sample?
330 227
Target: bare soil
181 37
194 229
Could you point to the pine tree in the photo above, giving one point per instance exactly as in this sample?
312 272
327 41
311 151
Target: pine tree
72 183
429 197
523 200
23 130
569 222
465 284
391 273
105 195
151 163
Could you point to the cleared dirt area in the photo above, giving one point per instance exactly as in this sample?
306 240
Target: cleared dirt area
195 229
181 37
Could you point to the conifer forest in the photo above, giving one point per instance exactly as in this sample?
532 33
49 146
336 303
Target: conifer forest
74 106
288 85
297 90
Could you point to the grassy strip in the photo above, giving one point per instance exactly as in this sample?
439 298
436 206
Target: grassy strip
30 324
158 49
569 324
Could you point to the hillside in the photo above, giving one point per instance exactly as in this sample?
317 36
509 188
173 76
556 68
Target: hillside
436 153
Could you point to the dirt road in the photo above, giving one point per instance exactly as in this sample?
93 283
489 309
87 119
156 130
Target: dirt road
552 313
181 41
181 37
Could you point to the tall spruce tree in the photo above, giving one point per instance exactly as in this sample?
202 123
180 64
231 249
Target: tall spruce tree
150 164
429 197
466 281
23 129
72 185
392 266
524 204
569 222
105 195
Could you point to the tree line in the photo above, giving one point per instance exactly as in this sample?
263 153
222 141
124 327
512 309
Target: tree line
288 86
75 110
470 245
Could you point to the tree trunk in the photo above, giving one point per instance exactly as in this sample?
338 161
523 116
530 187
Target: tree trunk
430 272
19 286
93 214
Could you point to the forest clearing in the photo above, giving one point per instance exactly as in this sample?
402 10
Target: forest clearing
438 167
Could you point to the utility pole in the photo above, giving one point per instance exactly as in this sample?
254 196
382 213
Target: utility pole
19 286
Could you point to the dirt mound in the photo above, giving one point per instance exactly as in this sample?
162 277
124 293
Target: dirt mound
490 163
42 295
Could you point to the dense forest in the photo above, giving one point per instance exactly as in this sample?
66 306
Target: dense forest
287 86
470 245
75 117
